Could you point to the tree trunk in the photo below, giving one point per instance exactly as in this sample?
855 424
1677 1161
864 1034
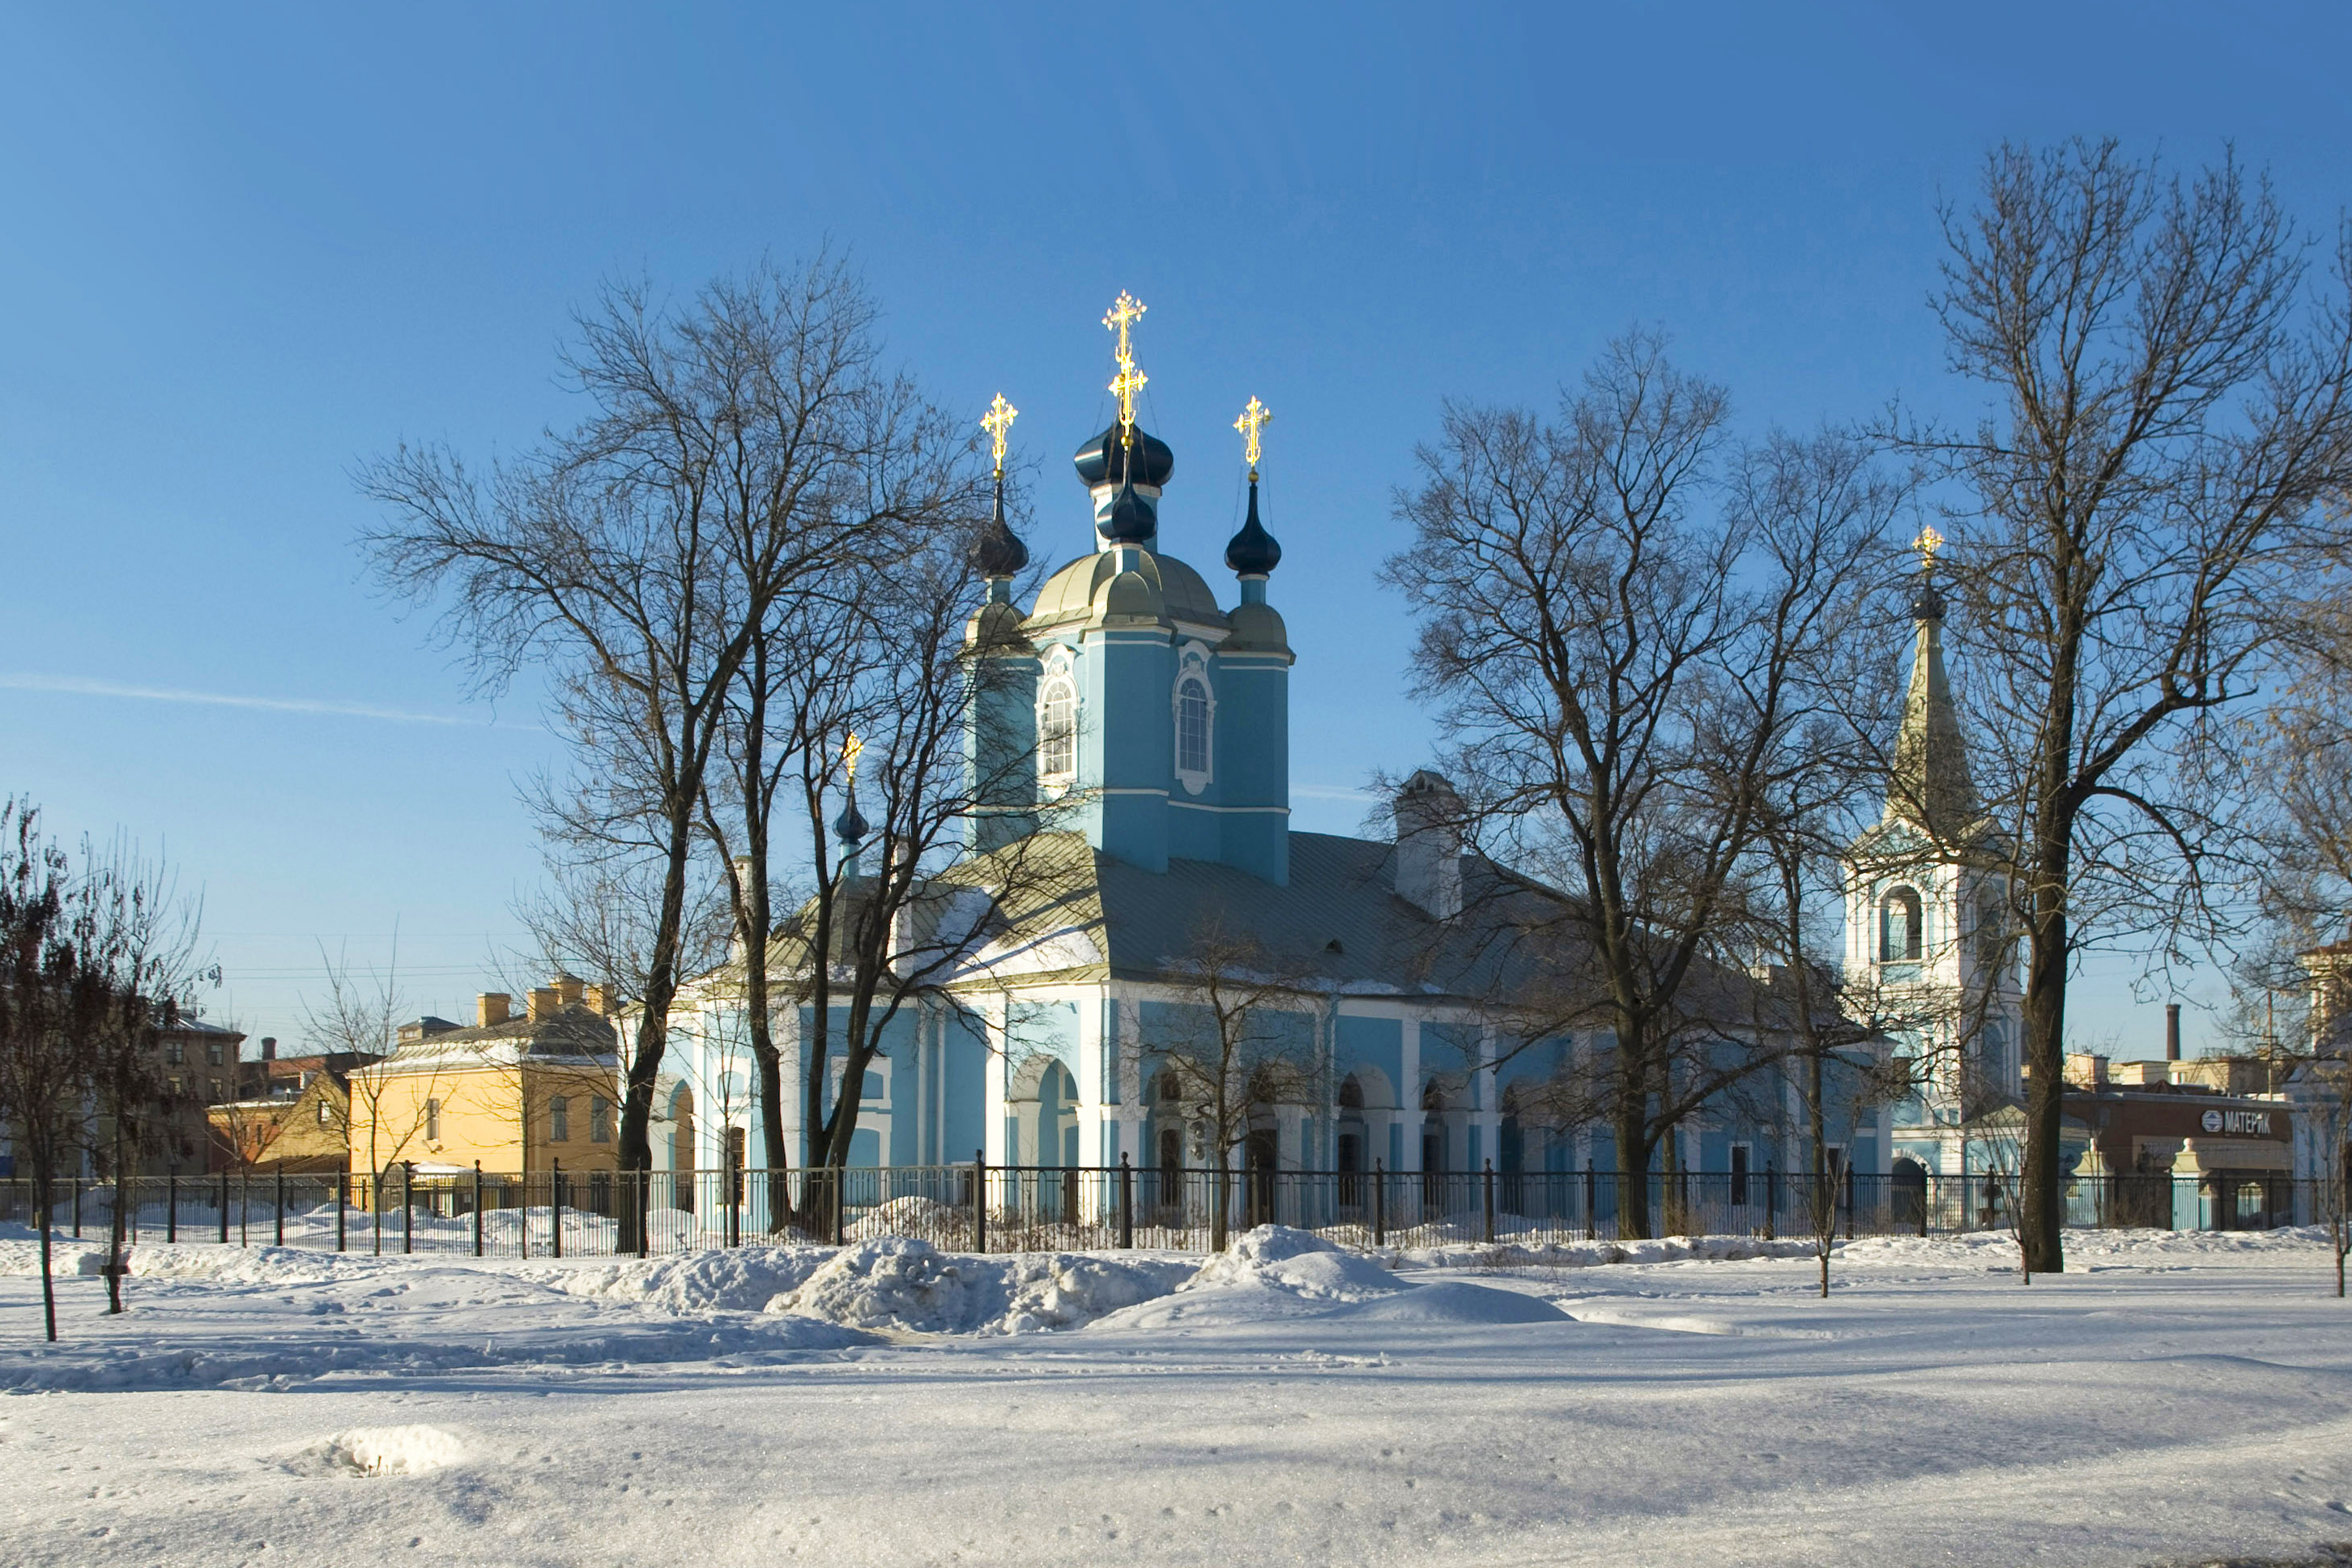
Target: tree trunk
2042 1206
115 1228
636 1148
1631 1128
44 1194
1824 1215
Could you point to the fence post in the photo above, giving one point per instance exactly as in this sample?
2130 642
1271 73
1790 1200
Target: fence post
407 1205
641 1194
281 1203
980 1199
554 1207
1849 1200
840 1200
343 1203
1379 1203
477 1209
1488 1180
77 1207
734 1235
1772 1197
245 1207
223 1208
1591 1209
1126 1200
171 1207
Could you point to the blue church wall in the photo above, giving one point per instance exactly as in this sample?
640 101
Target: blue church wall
1042 1029
1126 743
1252 753
963 1064
1108 1033
1000 752
1373 1043
1451 1051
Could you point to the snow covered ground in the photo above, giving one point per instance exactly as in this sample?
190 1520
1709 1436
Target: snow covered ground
2174 1399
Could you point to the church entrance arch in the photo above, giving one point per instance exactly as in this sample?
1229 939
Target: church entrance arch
1907 1193
1046 1132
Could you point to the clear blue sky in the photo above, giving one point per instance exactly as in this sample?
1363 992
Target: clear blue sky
244 250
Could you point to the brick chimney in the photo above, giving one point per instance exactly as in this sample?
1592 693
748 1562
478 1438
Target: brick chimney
492 1007
571 988
545 1001
600 1001
269 1047
2172 1031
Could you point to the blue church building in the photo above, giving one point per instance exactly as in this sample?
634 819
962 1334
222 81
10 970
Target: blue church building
1136 744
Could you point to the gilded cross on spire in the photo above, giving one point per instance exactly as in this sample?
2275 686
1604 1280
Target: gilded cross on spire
1124 313
998 423
850 751
1251 421
1927 543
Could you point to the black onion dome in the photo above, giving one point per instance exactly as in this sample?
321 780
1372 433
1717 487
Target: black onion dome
1252 551
1132 521
1927 604
998 552
1104 459
850 827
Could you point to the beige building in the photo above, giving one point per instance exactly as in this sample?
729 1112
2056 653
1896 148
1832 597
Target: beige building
513 1093
300 1125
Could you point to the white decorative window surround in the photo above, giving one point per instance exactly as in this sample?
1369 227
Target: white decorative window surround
1057 721
1195 704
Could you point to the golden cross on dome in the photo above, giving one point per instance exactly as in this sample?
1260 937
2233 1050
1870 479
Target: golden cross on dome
849 750
1251 421
1124 313
998 422
1126 384
1927 543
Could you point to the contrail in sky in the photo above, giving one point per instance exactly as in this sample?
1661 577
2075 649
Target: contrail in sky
79 687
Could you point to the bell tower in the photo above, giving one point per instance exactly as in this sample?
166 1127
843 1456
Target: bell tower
1930 937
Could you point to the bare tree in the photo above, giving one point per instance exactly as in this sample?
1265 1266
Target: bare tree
1622 635
138 966
2168 405
899 909
641 554
44 1080
1235 1039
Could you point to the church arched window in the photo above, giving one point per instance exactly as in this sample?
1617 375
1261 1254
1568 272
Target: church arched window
1899 934
1195 714
1057 721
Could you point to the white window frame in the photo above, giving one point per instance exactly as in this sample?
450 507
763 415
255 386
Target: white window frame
1193 664
1059 673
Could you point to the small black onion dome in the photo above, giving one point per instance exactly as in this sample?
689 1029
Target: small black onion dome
1927 603
998 552
1104 459
1132 519
1252 551
850 827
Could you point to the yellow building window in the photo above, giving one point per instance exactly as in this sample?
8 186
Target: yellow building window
558 1117
600 1119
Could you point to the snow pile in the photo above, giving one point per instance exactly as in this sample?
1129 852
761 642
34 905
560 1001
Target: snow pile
1997 1249
911 1216
1455 1304
1296 1262
1271 1272
391 1450
739 1279
1591 1253
910 1286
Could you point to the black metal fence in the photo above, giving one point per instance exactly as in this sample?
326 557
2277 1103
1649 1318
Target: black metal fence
980 1207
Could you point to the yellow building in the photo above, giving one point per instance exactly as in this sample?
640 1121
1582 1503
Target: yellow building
515 1094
